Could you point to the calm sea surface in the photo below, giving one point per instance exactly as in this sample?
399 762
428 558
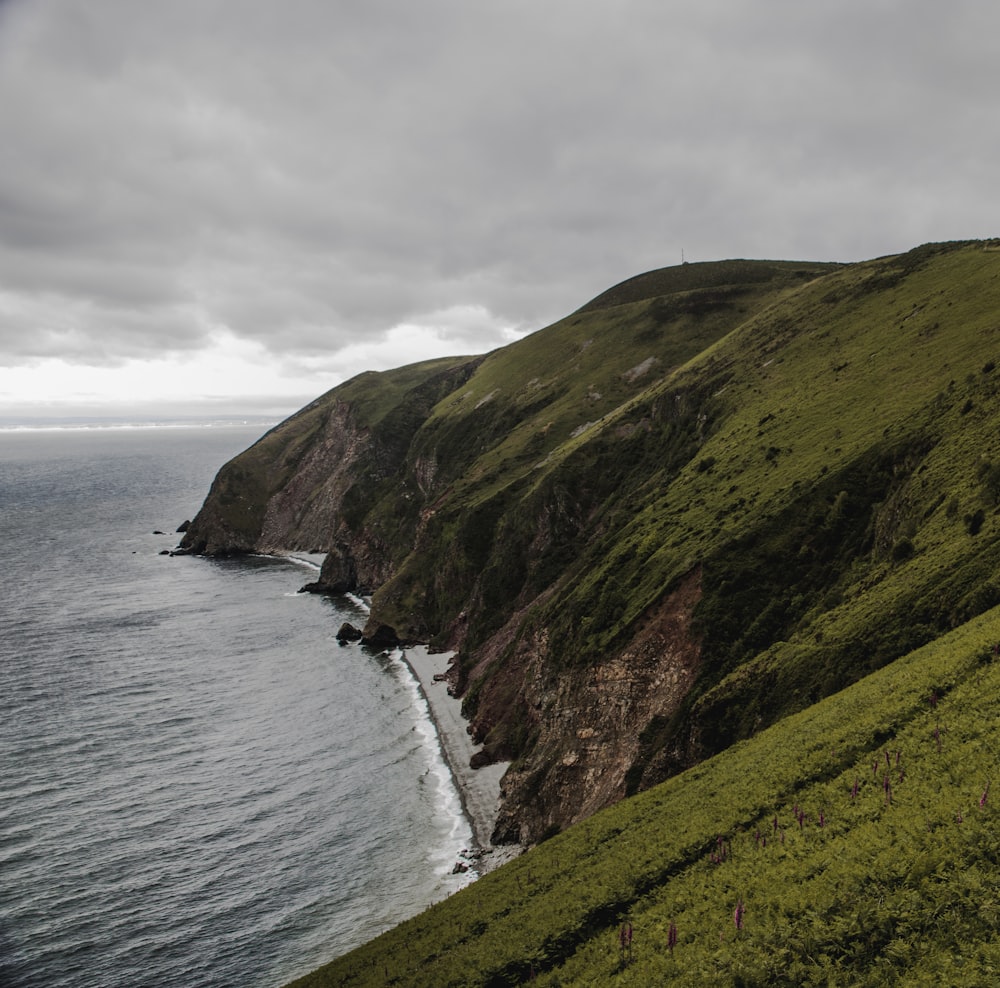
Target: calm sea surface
198 784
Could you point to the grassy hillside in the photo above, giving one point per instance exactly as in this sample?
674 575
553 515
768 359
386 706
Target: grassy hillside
808 456
859 837
299 454
826 463
506 446
735 526
846 386
828 466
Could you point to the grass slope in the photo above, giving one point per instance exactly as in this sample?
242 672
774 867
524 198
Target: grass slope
838 490
820 444
796 396
387 402
498 445
831 463
858 835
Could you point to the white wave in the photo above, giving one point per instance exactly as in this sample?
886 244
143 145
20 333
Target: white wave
447 796
310 560
365 606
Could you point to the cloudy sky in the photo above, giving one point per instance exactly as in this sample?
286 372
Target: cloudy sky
235 204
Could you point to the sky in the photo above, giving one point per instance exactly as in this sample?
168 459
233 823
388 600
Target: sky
231 206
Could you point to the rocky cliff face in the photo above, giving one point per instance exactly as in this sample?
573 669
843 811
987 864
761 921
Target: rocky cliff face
657 525
308 483
307 510
589 724
286 492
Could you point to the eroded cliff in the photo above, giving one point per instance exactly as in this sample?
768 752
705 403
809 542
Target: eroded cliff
657 525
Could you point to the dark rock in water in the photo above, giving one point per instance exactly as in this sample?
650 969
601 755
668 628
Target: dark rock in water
156 531
460 868
181 551
184 526
348 633
382 637
164 552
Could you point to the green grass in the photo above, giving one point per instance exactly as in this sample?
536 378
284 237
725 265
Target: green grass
892 887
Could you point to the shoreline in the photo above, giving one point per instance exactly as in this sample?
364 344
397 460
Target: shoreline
478 789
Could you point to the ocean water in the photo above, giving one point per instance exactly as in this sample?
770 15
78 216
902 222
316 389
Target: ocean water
198 785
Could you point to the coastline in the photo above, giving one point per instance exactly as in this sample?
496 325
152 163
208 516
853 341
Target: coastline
479 789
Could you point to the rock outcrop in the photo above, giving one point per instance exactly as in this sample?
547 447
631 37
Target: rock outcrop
348 633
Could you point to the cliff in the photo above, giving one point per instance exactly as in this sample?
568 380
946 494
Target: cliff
701 502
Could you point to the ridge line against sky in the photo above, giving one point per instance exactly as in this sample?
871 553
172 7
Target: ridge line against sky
215 206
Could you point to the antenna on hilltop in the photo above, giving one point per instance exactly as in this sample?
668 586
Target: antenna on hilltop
682 256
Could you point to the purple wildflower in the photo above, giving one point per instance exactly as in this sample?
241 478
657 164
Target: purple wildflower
738 915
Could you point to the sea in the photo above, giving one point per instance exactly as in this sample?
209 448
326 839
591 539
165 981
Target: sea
199 785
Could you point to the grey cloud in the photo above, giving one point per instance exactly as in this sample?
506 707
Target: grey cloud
310 173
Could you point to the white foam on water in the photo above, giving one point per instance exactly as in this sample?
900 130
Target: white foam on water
360 602
310 560
447 797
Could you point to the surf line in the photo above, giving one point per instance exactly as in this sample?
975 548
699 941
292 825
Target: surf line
450 794
479 788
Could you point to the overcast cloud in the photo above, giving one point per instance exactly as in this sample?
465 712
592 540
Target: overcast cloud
232 198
